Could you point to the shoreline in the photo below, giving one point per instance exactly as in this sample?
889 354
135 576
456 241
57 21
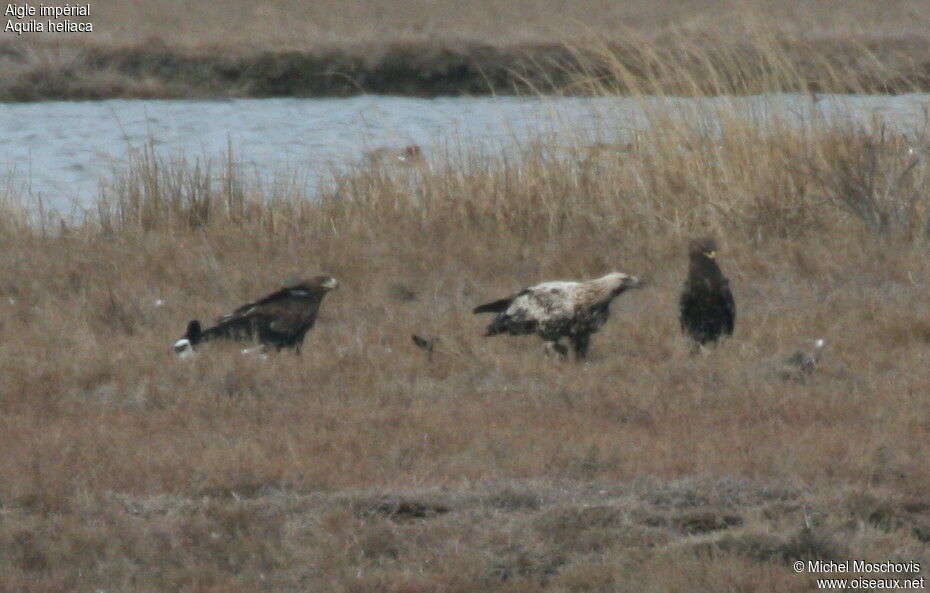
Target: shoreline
87 72
368 464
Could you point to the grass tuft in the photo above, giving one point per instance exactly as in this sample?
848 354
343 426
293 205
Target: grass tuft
365 464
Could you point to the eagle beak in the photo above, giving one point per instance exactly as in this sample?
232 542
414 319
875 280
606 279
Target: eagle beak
710 254
331 284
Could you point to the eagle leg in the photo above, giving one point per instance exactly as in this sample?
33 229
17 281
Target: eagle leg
555 346
700 348
580 343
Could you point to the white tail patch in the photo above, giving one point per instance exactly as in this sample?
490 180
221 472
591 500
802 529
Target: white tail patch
183 348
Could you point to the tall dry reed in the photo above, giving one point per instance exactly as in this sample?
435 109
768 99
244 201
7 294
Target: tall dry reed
364 465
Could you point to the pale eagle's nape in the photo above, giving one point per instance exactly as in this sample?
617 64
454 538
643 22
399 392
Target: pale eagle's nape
559 310
707 310
279 320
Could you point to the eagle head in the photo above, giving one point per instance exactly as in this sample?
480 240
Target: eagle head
329 283
318 284
703 247
619 282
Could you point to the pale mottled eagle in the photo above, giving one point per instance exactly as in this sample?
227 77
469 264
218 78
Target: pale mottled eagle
279 320
706 308
556 310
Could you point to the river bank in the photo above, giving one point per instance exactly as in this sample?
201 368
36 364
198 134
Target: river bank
686 66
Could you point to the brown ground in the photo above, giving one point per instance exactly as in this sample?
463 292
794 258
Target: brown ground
298 25
162 49
363 466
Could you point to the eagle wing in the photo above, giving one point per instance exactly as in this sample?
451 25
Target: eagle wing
546 301
696 303
729 305
254 307
286 311
535 308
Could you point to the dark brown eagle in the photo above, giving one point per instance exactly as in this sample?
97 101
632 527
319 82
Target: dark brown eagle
556 310
706 307
279 320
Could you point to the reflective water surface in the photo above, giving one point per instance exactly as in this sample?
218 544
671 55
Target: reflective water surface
61 151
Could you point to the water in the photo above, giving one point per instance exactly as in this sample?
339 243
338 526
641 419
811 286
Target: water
61 151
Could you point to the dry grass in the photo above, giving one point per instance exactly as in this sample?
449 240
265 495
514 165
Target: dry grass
297 25
287 48
363 466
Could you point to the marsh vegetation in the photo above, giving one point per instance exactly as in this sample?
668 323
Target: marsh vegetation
327 48
365 465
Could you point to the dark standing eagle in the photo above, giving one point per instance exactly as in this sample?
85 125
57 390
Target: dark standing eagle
279 320
556 310
706 307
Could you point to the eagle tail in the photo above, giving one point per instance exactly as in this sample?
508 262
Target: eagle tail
505 324
498 326
185 345
493 307
194 332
